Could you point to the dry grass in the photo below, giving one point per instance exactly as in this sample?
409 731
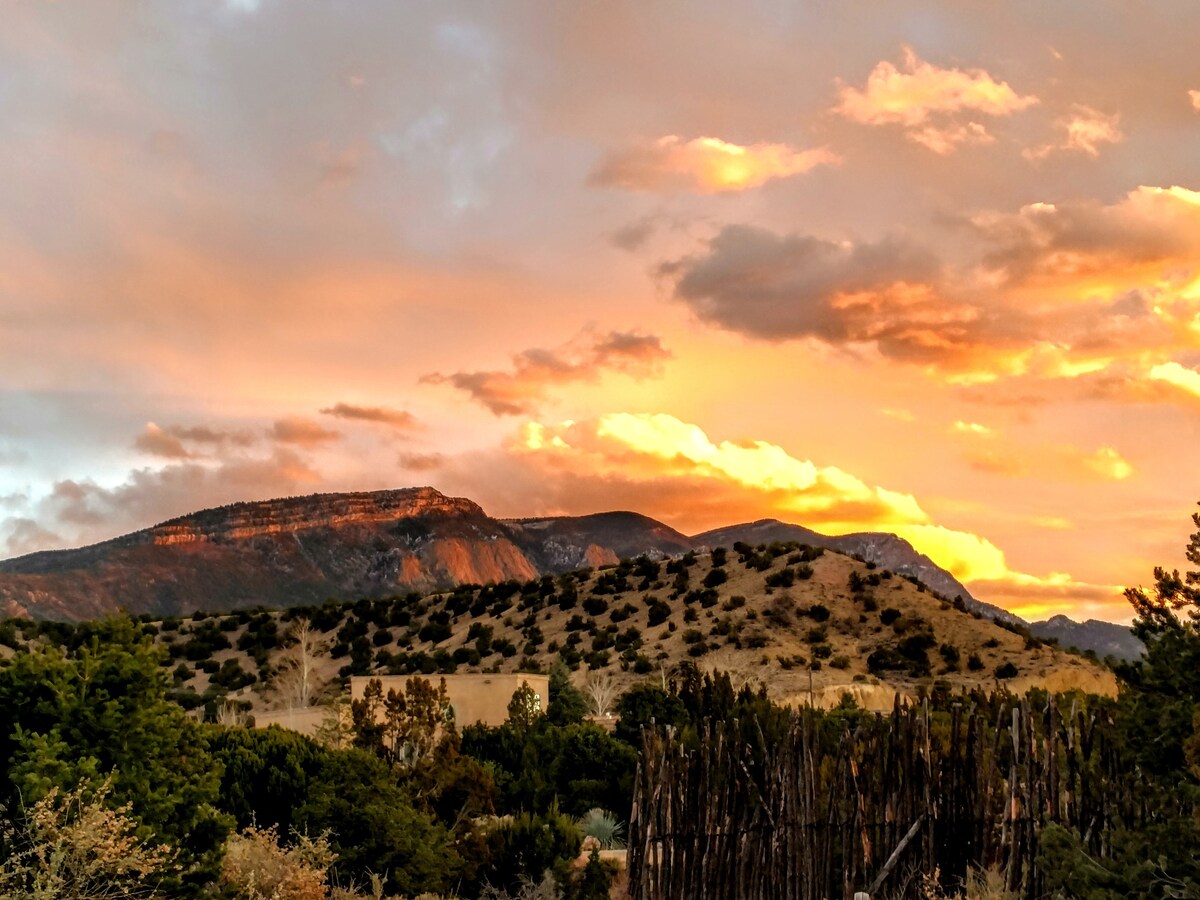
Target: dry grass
981 885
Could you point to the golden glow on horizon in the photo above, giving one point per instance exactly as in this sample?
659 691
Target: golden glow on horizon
757 465
658 449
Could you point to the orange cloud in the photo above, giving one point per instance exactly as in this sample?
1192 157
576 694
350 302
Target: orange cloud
1084 130
171 442
1150 240
948 138
301 431
708 165
924 99
522 389
985 452
395 418
1056 291
1035 598
421 462
657 447
1194 96
157 442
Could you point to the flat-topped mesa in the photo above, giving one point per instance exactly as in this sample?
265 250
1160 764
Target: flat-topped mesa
240 521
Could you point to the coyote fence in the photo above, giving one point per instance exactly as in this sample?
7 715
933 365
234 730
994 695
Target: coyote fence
877 808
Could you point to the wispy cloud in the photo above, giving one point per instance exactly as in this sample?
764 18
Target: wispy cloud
706 165
302 431
383 415
1084 130
521 389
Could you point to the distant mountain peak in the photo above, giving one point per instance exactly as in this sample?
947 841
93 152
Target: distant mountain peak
290 514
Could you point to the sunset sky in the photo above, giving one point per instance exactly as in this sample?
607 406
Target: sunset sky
924 268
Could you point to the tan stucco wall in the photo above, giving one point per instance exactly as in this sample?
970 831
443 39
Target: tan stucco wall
475 698
305 721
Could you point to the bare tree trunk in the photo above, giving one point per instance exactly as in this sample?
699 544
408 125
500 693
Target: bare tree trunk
298 683
601 689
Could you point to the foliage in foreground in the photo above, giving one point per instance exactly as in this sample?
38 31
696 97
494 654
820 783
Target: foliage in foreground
74 844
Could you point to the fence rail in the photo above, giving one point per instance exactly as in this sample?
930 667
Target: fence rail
897 798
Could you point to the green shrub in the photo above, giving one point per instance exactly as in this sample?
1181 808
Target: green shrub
1006 670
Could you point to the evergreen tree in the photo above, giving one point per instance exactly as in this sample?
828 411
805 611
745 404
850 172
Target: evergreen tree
567 703
1160 706
101 711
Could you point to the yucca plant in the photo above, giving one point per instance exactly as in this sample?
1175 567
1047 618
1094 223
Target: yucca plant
604 827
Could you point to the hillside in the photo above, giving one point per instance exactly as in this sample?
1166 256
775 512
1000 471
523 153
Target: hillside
789 617
883 549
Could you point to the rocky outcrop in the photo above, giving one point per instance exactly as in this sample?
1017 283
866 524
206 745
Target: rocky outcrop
279 553
242 521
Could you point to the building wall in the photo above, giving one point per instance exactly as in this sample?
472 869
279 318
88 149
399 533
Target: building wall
475 698
305 721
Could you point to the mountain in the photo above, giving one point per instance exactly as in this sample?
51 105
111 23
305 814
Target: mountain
303 550
1103 638
883 549
274 553
562 543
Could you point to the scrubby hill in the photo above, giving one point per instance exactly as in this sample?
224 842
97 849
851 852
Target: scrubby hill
883 549
794 618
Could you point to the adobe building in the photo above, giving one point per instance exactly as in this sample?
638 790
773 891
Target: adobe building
474 698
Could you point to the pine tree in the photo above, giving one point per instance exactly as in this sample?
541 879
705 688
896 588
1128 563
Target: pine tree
567 703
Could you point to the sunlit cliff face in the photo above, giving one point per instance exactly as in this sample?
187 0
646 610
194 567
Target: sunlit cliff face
931 272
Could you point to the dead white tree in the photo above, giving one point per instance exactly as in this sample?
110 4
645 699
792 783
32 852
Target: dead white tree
298 682
601 688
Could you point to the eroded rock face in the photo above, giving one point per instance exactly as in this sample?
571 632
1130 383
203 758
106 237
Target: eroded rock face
241 521
278 553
